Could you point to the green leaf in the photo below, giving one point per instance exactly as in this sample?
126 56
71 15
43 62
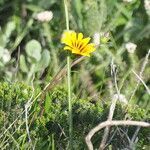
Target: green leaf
45 59
33 49
44 62
23 65
9 29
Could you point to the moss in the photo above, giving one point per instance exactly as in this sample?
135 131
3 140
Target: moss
53 124
13 97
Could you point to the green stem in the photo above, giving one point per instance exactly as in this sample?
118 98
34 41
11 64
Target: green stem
69 100
66 14
69 82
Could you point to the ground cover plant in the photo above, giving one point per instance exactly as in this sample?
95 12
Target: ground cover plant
74 74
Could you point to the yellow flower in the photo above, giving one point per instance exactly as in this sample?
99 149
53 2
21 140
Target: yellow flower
77 44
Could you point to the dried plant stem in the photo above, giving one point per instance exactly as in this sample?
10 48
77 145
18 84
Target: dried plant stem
140 74
134 137
27 108
57 78
140 79
111 123
112 107
107 129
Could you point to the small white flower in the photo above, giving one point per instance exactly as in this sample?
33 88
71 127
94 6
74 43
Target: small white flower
147 6
121 98
44 16
6 56
96 39
131 47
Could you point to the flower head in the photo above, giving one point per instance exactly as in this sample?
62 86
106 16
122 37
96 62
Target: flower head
121 98
96 39
44 16
77 44
131 47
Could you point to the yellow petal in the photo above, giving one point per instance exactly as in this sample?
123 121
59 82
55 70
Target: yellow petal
89 48
84 42
78 40
73 38
76 51
66 38
80 36
67 48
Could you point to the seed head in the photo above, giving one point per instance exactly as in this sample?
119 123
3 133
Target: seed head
44 16
131 47
96 39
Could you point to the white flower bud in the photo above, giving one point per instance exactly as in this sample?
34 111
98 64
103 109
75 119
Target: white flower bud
44 16
131 47
121 98
96 39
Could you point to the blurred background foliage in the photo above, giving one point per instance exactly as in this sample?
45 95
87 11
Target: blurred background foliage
31 49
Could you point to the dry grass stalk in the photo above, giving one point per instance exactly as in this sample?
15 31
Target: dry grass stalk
112 123
112 107
27 109
140 74
140 79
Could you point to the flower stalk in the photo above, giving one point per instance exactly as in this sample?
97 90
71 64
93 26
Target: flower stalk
69 81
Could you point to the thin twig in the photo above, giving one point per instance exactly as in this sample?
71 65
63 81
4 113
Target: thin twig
122 132
112 123
111 138
28 106
134 137
112 107
140 74
13 139
135 89
140 79
60 75
135 134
